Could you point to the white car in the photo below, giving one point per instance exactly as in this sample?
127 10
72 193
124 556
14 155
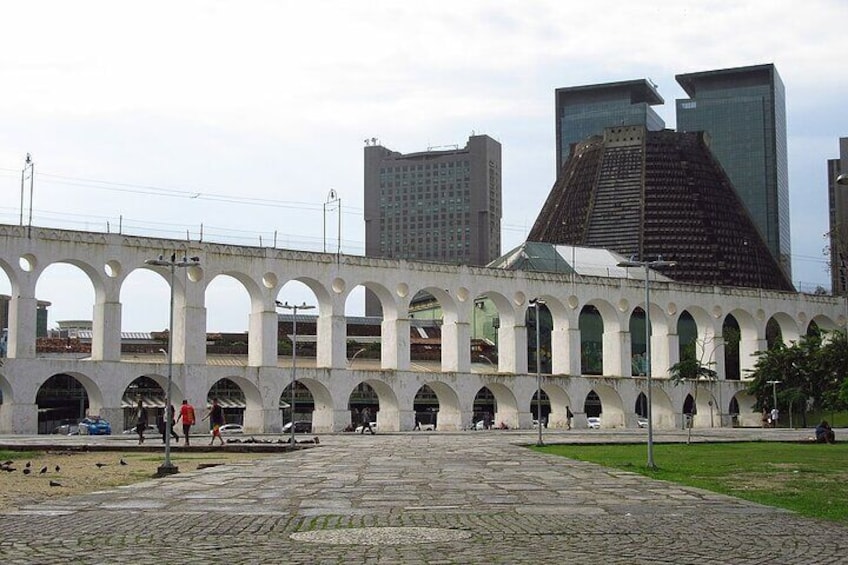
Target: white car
360 426
230 429
150 430
594 422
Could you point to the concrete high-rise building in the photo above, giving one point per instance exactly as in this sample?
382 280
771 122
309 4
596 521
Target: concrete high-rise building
743 111
437 205
838 215
443 204
582 111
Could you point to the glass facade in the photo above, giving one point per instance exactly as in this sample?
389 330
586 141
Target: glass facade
743 111
583 111
590 119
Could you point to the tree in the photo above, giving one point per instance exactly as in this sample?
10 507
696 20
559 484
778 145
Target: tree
690 368
811 371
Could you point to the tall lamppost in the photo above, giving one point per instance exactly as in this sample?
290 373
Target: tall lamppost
535 302
355 355
774 391
167 468
294 308
28 164
647 266
333 199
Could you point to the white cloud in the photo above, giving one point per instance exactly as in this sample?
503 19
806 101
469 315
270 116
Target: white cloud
272 99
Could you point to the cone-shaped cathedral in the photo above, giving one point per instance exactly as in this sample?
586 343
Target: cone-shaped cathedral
648 194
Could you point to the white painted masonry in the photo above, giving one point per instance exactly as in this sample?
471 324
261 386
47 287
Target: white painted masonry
107 259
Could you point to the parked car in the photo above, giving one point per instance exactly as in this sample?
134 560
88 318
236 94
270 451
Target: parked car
67 428
300 427
359 427
594 422
151 430
230 429
94 426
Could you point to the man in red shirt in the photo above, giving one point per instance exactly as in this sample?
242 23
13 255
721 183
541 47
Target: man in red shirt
187 416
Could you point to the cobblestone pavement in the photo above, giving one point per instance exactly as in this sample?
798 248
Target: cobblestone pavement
433 498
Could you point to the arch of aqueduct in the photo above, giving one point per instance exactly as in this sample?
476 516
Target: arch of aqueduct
107 260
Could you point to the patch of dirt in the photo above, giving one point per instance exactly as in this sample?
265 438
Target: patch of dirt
79 473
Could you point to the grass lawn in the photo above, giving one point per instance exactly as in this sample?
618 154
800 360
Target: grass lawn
811 479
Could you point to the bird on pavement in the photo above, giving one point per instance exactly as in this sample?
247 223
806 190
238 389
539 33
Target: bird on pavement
27 471
55 484
101 465
43 470
28 464
57 468
122 462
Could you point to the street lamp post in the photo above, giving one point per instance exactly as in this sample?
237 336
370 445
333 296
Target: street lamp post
294 308
774 391
168 468
647 266
28 164
333 199
355 355
535 302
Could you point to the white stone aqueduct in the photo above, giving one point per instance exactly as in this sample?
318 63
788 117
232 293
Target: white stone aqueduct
107 259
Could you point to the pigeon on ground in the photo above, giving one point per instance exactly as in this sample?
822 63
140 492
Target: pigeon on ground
43 470
8 469
122 462
100 465
27 471
8 462
55 484
58 468
28 464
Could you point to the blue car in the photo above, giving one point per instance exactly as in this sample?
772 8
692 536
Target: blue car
95 427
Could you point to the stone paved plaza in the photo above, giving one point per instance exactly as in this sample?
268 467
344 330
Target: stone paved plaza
476 497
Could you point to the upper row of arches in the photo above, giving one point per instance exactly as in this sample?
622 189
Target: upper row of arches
616 305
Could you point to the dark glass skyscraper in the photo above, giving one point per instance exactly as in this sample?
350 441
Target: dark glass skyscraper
582 111
743 111
838 213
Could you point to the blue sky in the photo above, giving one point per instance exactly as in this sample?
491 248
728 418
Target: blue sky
241 116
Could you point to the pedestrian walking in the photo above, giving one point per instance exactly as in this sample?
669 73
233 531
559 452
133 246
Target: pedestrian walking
366 421
169 414
568 416
187 416
216 420
775 416
140 421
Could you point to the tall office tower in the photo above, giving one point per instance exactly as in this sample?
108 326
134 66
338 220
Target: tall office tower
838 208
437 205
582 111
658 193
744 112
